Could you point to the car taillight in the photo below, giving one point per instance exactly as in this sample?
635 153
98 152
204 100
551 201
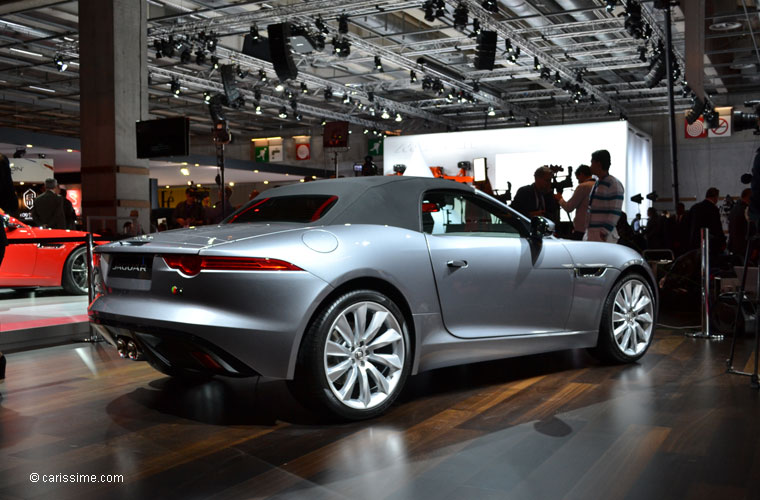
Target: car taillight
95 259
193 264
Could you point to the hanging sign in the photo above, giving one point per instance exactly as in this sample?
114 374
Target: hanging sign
303 152
275 152
375 147
696 130
262 154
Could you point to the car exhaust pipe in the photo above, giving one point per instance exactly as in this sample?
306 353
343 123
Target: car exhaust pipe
121 347
133 351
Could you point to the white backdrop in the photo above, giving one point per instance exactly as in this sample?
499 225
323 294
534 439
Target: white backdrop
513 154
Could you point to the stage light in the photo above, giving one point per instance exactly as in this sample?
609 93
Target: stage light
200 57
283 112
175 87
304 88
491 5
299 117
214 62
378 63
257 108
643 54
385 114
511 116
323 121
206 97
491 111
343 24
460 17
398 117
609 109
262 75
321 26
429 9
279 87
527 122
254 33
536 64
346 99
412 76
185 56
60 63
610 5
241 73
328 93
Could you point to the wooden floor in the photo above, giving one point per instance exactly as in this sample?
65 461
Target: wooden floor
557 426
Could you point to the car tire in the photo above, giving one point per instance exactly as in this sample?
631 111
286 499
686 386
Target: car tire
74 279
354 358
627 324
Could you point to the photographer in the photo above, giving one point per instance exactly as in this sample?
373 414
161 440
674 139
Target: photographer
579 201
531 200
189 212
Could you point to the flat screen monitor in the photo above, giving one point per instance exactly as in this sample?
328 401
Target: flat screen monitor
163 137
479 169
358 167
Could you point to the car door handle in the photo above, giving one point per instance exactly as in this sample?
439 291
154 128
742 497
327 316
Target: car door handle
457 263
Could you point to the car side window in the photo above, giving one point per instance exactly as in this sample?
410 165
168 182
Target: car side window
448 213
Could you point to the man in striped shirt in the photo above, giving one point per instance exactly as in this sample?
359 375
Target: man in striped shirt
606 201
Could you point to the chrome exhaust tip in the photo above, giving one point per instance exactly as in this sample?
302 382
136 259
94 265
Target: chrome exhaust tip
133 351
121 347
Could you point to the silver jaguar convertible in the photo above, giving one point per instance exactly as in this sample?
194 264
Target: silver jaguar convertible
345 287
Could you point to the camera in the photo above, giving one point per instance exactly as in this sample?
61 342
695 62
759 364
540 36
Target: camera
399 169
742 120
567 182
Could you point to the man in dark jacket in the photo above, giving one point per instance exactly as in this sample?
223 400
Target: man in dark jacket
706 214
737 225
69 214
48 207
531 200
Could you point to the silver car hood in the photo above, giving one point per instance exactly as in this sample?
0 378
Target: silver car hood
194 239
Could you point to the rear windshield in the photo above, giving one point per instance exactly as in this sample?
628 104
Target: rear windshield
304 209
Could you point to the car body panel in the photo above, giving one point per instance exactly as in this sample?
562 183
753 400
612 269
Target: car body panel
36 264
517 296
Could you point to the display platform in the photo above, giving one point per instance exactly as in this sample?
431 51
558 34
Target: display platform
40 318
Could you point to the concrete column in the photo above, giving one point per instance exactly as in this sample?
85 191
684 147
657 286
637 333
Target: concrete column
114 95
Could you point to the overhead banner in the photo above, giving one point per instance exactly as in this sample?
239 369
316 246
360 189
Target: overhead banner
34 170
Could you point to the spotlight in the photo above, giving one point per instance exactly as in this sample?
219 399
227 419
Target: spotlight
211 43
366 131
507 45
158 47
241 73
657 70
175 87
371 96
637 198
440 8
697 108
610 5
609 109
60 63
378 63
257 108
476 86
214 62
343 24
283 112
398 117
294 105
643 54
460 17
621 117
491 5
511 116
346 99
633 23
200 57
299 117
257 94
557 78
262 75
20 152
323 122
255 34
279 87
328 93
304 88
475 28
385 114
527 122
206 97
412 76
491 111
429 9
185 56
536 64
321 26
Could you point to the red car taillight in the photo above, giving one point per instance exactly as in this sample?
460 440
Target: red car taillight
193 264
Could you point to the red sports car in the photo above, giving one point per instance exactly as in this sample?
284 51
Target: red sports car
43 264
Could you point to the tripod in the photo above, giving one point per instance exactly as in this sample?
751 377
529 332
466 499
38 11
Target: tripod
753 377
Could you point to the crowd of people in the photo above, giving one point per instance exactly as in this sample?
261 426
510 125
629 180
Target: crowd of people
192 212
597 205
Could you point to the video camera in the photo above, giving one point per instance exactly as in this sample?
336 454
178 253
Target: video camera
567 182
741 120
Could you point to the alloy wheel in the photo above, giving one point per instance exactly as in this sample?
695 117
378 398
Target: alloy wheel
632 317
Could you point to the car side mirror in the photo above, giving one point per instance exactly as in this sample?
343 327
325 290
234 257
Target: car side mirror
540 227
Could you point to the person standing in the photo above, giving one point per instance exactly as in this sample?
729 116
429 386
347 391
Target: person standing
189 212
737 225
706 214
68 210
530 200
48 207
579 201
9 206
222 208
605 202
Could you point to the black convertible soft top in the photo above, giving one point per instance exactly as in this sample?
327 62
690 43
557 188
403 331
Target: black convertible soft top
392 200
